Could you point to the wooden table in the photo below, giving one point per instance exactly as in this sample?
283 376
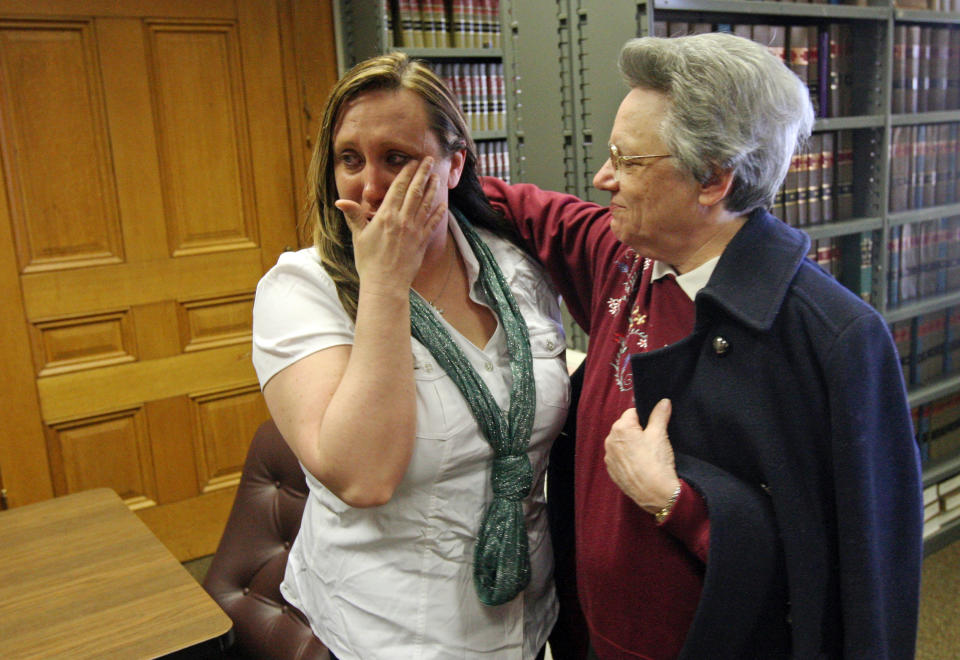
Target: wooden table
82 577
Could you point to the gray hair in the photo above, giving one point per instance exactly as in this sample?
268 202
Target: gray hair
733 105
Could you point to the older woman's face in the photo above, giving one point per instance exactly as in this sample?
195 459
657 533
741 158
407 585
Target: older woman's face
653 203
377 134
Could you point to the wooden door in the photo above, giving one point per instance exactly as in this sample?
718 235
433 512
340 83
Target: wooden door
151 172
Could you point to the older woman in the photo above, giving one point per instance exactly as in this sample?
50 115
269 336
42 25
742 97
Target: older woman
413 360
782 517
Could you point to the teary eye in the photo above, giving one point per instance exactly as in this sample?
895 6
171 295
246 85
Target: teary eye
350 160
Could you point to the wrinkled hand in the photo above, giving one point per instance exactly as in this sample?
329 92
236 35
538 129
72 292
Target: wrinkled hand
388 248
640 460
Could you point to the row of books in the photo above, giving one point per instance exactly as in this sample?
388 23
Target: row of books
493 159
445 23
819 184
941 505
479 88
929 346
924 260
935 5
820 55
850 259
926 68
924 166
937 428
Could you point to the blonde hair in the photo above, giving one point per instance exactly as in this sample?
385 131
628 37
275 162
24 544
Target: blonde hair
394 71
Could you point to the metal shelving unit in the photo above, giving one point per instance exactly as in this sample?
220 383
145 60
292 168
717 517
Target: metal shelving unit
563 91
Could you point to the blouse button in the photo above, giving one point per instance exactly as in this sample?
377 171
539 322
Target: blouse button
551 346
488 366
428 367
720 345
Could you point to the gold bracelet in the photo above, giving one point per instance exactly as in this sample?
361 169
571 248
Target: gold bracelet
661 515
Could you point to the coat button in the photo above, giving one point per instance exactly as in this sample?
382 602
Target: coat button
720 345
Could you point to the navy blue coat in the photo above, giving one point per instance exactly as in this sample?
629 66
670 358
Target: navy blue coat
790 418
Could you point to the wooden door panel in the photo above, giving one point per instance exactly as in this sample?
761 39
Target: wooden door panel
201 127
224 421
74 344
109 450
107 288
55 147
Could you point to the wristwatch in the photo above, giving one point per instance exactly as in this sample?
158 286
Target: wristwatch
664 513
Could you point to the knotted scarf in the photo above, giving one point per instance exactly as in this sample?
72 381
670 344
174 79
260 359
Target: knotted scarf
501 562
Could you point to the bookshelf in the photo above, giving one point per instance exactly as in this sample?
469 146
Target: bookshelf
878 191
460 40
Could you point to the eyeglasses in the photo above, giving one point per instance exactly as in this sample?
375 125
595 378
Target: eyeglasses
618 161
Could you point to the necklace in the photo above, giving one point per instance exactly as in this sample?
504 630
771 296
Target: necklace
446 280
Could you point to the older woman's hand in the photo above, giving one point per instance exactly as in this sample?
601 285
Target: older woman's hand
388 248
640 460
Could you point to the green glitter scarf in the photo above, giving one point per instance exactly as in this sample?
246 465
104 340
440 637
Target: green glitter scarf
501 561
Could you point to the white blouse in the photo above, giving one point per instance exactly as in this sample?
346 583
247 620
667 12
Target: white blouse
396 581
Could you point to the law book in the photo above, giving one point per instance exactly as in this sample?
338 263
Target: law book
867 258
460 17
477 17
932 259
939 61
943 184
844 176
927 138
839 66
500 96
900 148
918 166
678 28
953 69
952 363
823 73
660 29
912 69
427 24
921 426
944 435
925 69
803 190
952 229
813 65
931 348
898 85
893 266
496 32
814 167
742 30
902 332
798 51
791 186
910 262
478 70
777 41
827 174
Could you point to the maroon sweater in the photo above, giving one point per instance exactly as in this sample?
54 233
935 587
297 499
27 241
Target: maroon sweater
639 583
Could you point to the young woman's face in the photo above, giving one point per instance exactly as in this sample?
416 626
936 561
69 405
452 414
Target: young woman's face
377 134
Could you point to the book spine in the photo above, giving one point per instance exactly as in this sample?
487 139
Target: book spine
814 172
827 146
844 175
939 63
899 77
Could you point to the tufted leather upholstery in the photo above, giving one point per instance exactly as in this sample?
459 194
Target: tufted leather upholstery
245 573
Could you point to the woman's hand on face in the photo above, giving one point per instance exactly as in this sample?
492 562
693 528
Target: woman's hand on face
388 248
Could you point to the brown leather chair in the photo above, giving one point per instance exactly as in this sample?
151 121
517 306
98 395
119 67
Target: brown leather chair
245 573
